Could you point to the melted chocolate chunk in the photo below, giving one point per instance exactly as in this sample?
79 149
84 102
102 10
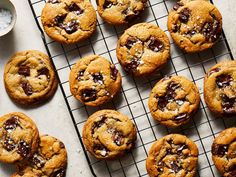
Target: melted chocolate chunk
75 8
117 138
89 95
9 144
11 123
192 32
44 71
228 104
60 173
175 167
175 28
219 149
27 88
98 124
130 42
71 27
132 66
23 148
107 4
97 77
81 74
223 80
213 71
181 148
103 151
53 1
114 72
184 15
211 31
177 6
162 102
38 161
59 20
24 70
155 44
181 117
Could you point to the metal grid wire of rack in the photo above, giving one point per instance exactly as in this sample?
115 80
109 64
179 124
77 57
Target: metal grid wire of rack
132 100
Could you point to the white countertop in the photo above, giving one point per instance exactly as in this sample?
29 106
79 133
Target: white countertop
53 117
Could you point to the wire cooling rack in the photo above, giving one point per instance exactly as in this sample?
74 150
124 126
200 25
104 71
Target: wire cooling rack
132 100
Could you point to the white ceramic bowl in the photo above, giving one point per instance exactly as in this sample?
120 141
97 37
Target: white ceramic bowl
7 4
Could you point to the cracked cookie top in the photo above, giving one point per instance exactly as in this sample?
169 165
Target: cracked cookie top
142 49
120 12
108 134
94 80
174 100
69 21
172 155
220 88
29 77
224 152
19 137
195 26
49 160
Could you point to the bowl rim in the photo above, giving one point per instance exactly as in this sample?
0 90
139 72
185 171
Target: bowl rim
9 6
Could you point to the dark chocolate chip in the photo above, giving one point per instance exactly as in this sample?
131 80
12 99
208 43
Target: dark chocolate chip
184 15
130 16
175 167
23 149
155 44
97 77
98 124
24 70
228 104
223 80
75 8
192 32
103 151
71 27
160 169
89 95
53 1
211 31
175 28
107 4
130 42
132 66
44 71
61 145
59 20
181 148
162 102
38 161
213 71
219 149
59 173
114 72
181 117
80 74
27 88
11 123
9 144
117 138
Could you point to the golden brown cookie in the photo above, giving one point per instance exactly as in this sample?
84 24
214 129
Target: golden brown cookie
142 49
220 88
94 80
173 155
19 137
224 152
174 100
120 12
29 77
69 21
108 134
195 26
50 160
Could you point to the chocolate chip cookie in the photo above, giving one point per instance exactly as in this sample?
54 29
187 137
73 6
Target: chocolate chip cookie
120 12
108 134
69 21
174 100
19 137
220 88
172 155
142 49
224 152
195 26
27 174
49 160
29 77
94 80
